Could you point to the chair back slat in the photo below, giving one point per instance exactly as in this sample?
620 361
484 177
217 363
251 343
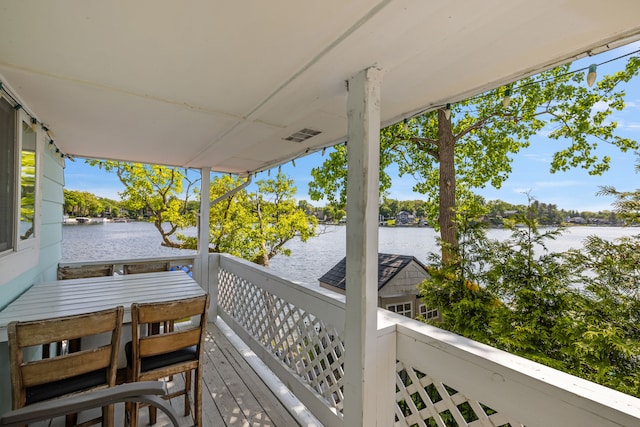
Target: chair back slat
169 310
82 271
58 368
146 267
39 332
165 343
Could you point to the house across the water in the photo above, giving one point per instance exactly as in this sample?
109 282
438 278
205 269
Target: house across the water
398 280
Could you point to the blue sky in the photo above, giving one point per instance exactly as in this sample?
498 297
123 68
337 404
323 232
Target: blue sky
571 190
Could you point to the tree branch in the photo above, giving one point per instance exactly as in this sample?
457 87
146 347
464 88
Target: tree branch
477 125
426 144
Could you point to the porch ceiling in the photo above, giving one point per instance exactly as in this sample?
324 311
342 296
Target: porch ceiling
222 83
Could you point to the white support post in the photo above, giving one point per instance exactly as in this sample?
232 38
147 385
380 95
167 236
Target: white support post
363 142
203 235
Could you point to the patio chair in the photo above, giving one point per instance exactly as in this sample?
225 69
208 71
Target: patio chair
146 391
146 267
77 272
169 352
34 381
149 267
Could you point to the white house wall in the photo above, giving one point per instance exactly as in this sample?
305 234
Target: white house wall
405 282
49 251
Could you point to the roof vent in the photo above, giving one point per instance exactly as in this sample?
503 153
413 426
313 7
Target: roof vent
302 135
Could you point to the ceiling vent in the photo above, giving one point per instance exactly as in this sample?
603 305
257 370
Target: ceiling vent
302 135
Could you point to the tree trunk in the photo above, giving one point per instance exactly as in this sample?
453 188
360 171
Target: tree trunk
165 236
262 258
446 218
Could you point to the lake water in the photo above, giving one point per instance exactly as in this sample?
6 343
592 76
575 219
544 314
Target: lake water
308 262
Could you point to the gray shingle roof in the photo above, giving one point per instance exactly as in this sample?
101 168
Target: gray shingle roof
388 266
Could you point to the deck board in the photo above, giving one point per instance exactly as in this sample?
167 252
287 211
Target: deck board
232 394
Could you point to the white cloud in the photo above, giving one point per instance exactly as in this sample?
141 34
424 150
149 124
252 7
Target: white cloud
538 157
599 106
628 125
557 184
521 190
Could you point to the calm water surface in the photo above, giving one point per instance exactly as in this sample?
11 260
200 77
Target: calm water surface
308 262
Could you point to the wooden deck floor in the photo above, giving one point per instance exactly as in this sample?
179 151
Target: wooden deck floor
233 394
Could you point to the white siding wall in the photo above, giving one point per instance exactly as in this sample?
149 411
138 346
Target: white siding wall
405 282
49 253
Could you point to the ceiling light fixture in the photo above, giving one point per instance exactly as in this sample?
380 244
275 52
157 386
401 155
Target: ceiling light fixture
591 76
507 98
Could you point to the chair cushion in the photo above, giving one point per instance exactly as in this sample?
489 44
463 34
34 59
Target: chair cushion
70 385
154 362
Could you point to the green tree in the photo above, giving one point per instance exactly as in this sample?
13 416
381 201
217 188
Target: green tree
278 219
470 144
255 226
93 206
82 203
606 333
464 306
305 206
112 207
388 208
230 220
534 287
73 201
161 191
627 203
334 212
578 311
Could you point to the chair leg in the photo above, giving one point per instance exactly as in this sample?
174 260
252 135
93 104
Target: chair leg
45 351
71 420
197 397
108 416
74 345
132 409
187 389
153 415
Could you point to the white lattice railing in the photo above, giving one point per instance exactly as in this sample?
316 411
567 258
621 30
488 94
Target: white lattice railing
443 379
298 331
440 379
422 400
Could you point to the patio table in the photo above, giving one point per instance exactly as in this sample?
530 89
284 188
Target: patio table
76 296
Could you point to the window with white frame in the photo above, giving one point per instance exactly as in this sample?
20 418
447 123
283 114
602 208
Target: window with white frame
426 312
404 308
7 175
18 141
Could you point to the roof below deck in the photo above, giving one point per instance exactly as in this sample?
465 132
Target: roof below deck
223 84
389 265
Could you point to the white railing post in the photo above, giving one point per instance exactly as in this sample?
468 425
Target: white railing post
363 110
203 229
214 284
386 370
